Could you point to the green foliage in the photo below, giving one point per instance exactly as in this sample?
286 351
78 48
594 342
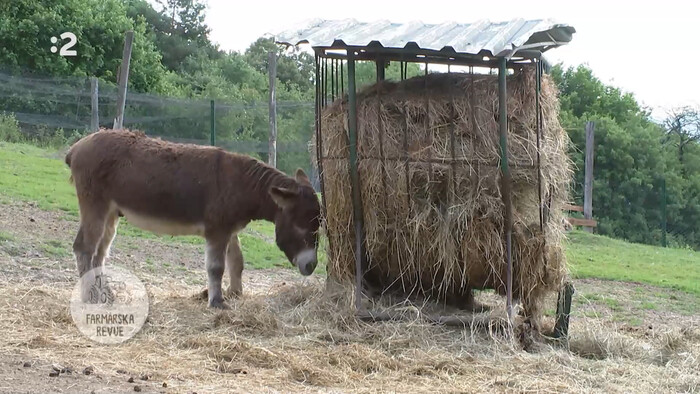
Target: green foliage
295 70
633 158
9 128
28 25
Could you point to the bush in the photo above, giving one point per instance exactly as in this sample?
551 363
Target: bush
9 129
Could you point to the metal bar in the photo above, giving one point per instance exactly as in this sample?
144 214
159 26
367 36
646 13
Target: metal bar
380 125
472 102
506 182
561 327
355 182
664 219
427 124
319 150
588 174
212 129
422 55
333 79
324 83
473 321
381 75
406 159
342 83
443 160
272 140
452 145
538 119
337 79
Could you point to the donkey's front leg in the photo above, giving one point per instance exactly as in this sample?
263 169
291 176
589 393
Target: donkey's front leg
215 264
234 264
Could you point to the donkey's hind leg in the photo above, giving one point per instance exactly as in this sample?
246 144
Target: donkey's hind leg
234 265
92 226
110 231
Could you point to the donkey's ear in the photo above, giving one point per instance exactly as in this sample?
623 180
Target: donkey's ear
283 197
302 178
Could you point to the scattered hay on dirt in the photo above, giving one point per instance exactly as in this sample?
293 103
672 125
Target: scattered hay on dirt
431 191
299 338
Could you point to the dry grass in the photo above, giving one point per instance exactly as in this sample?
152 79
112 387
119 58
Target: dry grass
431 192
303 338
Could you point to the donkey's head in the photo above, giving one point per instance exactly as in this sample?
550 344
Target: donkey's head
297 222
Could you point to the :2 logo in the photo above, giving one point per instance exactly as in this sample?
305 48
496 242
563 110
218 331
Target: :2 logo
65 49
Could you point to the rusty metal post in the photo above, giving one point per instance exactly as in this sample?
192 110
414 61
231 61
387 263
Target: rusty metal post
355 182
506 181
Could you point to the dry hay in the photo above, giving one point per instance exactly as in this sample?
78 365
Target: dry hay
445 235
298 338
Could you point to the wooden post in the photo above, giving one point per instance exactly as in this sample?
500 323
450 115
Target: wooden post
95 114
272 149
123 80
588 184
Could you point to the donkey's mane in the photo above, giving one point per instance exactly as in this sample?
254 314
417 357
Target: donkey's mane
264 176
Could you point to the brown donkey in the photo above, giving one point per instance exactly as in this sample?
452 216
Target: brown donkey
183 189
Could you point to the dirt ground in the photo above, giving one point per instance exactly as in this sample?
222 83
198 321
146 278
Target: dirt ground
287 335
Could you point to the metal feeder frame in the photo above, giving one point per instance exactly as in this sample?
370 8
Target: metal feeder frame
330 74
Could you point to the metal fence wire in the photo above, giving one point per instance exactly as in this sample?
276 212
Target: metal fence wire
47 106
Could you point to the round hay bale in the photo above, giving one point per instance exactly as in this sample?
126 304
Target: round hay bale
431 186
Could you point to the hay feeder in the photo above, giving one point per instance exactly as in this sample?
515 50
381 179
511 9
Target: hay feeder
397 159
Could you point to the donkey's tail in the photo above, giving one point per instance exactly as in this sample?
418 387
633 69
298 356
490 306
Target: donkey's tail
67 159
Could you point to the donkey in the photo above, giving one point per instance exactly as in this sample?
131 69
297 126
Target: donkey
186 189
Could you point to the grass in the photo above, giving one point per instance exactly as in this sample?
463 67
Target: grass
38 175
596 256
5 237
31 174
55 249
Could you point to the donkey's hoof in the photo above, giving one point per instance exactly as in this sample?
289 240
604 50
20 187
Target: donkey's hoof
218 304
232 294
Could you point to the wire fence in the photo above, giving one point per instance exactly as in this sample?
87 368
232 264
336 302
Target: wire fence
659 211
61 108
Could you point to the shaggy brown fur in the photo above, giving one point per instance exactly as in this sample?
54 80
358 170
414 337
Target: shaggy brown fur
184 189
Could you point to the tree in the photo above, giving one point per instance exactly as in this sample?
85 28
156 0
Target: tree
631 162
295 69
178 30
683 126
28 25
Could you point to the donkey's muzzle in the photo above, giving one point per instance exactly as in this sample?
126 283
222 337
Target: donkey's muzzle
306 261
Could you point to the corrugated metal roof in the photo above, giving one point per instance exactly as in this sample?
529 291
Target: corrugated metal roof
494 38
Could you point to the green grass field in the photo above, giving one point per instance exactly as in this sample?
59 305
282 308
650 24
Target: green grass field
33 174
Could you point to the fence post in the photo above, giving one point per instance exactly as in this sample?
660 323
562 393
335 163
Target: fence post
272 148
664 219
95 114
588 184
212 130
123 80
